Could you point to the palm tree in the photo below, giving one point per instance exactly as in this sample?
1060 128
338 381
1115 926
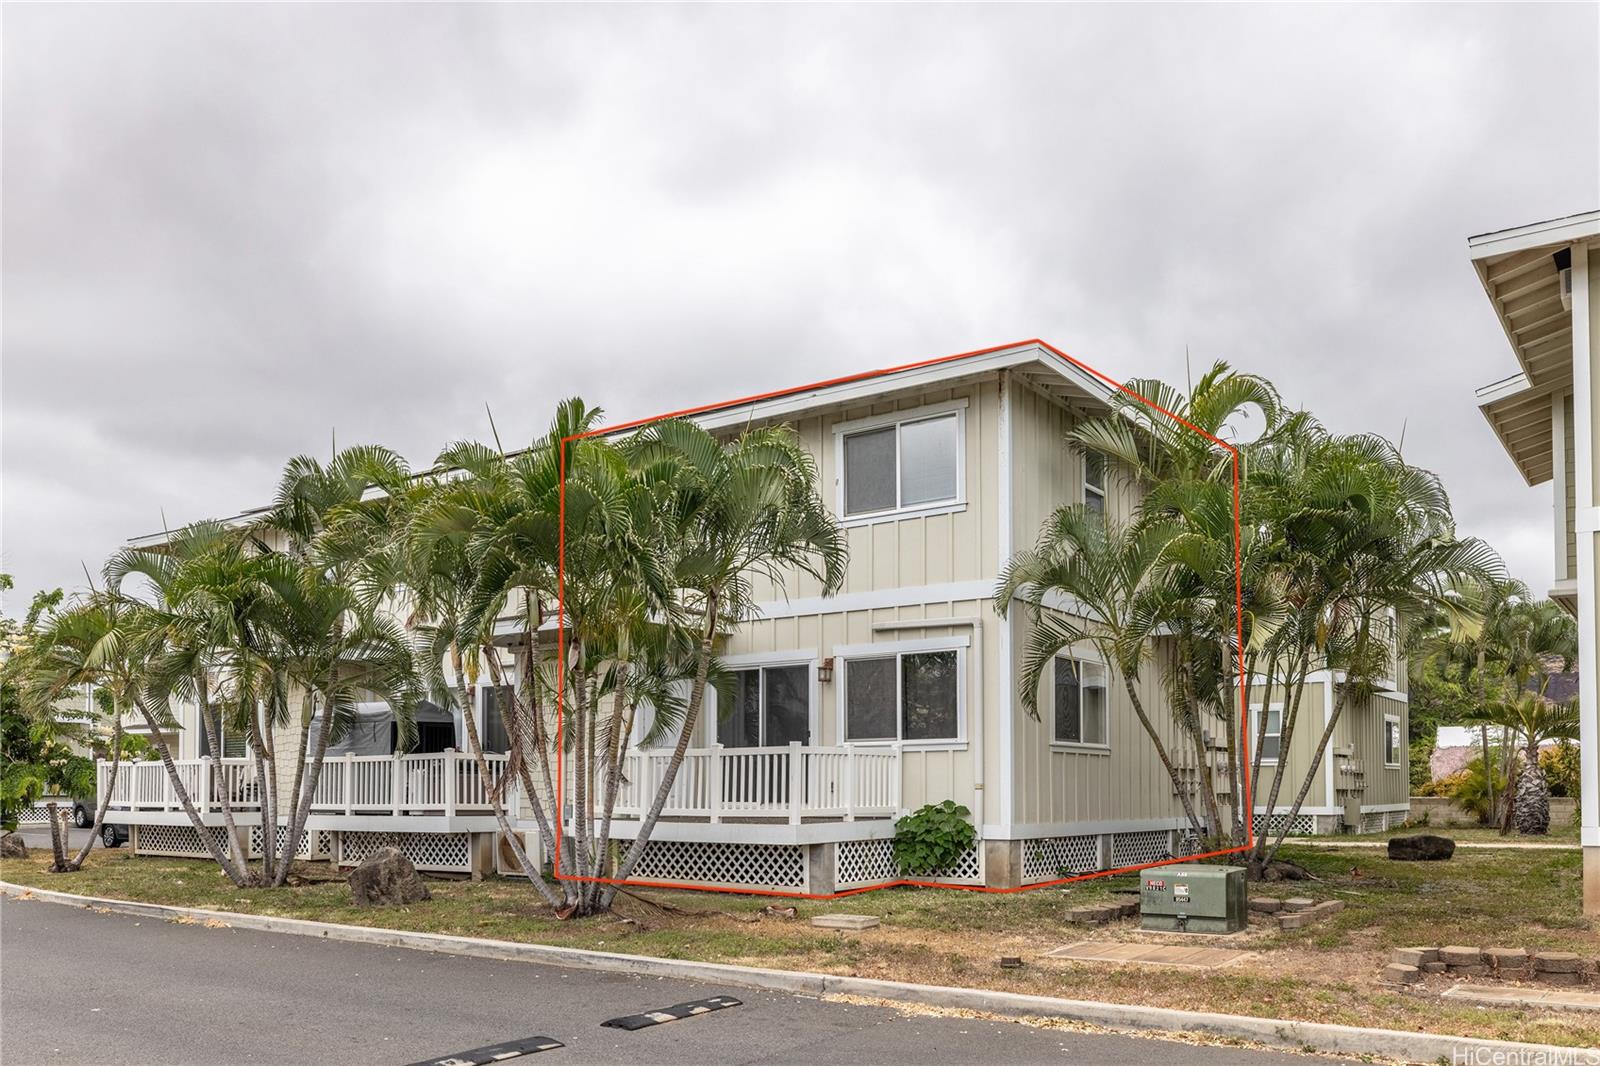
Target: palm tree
87 646
729 514
1531 720
1125 595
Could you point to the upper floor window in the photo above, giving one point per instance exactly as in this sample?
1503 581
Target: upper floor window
1080 704
496 709
1094 482
903 462
1391 740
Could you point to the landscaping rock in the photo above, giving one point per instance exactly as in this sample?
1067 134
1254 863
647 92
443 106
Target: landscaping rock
1298 903
1433 967
1558 962
13 847
1507 958
1480 970
1265 904
386 878
1416 956
1086 916
1400 974
1421 848
1459 956
1129 908
846 921
1561 980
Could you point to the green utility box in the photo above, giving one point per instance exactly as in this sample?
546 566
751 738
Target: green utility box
1193 898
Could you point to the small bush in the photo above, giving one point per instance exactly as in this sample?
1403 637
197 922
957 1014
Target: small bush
1560 766
932 838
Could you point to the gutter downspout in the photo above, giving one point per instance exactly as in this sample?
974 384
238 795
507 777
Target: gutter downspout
976 723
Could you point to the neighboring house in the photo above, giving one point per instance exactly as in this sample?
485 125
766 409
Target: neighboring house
1543 281
901 689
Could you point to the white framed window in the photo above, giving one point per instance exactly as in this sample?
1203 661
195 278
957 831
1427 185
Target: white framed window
1272 739
910 462
771 707
1081 705
1094 482
1391 740
913 692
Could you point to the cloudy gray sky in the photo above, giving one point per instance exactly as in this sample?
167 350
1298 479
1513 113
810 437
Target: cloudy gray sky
229 229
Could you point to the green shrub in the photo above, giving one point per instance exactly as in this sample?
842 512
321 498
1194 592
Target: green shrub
1560 766
932 838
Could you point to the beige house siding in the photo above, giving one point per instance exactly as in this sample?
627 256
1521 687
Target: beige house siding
958 545
1309 724
1057 784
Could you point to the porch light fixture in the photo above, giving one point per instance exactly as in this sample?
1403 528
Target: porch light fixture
825 671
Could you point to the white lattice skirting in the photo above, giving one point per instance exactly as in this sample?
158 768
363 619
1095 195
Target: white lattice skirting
871 862
1379 821
1138 848
38 814
1303 825
176 840
1049 858
443 852
314 843
723 865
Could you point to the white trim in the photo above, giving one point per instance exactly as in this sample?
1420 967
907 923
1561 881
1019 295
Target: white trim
1584 498
874 600
1558 459
1327 756
1573 228
896 650
868 387
768 658
1099 490
1399 743
899 420
1005 701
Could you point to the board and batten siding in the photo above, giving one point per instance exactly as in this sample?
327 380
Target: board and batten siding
960 545
1360 727
1310 721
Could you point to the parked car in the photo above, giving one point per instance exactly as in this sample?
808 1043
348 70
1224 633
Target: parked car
113 835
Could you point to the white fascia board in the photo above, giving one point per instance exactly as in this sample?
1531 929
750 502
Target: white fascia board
917 377
1504 389
1553 232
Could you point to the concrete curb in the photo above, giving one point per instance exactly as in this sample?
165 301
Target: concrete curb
1273 1032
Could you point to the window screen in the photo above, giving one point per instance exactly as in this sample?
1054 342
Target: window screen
929 696
869 471
870 699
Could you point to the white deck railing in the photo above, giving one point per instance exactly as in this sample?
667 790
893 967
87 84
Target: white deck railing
792 783
445 783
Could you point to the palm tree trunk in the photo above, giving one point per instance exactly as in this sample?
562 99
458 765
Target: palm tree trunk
105 800
691 718
238 874
208 721
1533 796
58 837
269 836
1286 728
532 872
615 745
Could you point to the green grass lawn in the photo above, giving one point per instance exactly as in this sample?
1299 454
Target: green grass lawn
940 936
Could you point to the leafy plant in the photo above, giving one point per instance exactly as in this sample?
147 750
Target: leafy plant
933 838
1560 766
1469 787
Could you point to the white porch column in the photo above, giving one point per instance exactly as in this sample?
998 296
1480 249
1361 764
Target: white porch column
1585 275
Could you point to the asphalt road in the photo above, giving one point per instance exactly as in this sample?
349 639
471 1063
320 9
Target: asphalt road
81 987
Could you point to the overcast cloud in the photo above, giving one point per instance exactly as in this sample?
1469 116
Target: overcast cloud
229 230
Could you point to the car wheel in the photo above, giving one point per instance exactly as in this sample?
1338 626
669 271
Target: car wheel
110 837
81 817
